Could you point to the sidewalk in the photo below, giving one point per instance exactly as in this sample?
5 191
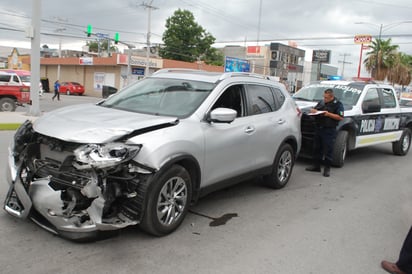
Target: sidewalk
12 120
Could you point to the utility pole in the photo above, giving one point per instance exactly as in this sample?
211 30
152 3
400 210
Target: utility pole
344 62
33 33
149 14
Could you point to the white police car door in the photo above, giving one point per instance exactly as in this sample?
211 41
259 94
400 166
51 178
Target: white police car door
378 125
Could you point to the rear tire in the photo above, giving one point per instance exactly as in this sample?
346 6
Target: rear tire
282 167
340 148
168 200
7 104
402 146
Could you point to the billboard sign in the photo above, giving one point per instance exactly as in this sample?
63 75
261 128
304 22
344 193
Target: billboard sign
236 65
321 56
363 39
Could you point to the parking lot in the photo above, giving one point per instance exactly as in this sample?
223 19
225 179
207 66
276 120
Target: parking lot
346 223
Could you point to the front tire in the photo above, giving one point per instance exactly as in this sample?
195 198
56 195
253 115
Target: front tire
282 168
340 148
67 92
7 104
168 201
402 146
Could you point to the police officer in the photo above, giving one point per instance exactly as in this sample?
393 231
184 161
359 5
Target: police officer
327 113
404 263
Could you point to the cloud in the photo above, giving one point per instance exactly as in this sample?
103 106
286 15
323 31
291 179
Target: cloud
315 24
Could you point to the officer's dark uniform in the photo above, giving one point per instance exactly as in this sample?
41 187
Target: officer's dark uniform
326 133
405 256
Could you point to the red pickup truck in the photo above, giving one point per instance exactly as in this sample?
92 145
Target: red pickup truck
12 93
11 96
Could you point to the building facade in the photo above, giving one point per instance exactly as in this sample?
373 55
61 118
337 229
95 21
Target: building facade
117 70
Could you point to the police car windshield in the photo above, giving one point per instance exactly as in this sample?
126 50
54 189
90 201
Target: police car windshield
347 94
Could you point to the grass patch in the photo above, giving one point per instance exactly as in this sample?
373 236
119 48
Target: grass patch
10 126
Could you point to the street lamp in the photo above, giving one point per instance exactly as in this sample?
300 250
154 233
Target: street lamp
382 28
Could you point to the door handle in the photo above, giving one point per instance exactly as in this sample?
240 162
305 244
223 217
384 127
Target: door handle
281 121
249 129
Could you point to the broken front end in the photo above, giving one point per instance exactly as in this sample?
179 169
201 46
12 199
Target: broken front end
77 191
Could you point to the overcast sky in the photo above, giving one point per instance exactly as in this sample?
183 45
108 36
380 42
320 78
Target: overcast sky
313 24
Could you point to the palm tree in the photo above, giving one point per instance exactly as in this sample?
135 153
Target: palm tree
401 69
381 58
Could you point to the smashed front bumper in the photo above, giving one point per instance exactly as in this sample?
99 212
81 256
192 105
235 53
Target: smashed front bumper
79 204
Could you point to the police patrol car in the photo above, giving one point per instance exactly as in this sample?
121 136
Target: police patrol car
372 116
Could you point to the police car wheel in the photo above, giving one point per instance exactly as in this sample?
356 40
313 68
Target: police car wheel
340 148
402 146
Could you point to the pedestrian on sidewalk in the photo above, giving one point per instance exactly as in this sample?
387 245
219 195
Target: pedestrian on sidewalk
404 263
56 90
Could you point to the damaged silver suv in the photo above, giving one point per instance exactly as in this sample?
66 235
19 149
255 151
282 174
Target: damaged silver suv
145 154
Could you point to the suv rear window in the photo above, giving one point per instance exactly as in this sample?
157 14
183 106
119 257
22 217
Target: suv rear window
264 99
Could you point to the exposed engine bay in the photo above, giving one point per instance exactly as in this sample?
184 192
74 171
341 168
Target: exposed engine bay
72 189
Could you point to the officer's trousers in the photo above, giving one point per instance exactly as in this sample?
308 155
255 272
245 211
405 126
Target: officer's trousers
405 256
323 145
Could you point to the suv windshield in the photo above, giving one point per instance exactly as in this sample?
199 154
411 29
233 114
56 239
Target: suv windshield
161 96
347 94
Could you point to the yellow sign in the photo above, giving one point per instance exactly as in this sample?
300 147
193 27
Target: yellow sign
363 39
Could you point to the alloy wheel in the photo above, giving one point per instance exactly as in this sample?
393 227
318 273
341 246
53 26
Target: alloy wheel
171 201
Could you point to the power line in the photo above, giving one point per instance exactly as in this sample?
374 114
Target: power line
313 38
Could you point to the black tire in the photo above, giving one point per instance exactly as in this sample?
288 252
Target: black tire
68 92
7 104
340 148
169 192
282 167
402 146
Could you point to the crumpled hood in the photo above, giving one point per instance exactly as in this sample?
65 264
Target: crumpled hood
89 123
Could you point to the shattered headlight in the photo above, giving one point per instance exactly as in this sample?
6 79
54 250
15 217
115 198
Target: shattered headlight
104 155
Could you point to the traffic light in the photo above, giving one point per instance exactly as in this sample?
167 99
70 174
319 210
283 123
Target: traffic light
116 38
89 30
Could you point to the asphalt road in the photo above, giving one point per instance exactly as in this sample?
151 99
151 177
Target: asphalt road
346 223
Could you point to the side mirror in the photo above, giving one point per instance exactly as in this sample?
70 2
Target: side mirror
222 115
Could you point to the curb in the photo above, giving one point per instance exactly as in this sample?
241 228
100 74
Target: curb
13 120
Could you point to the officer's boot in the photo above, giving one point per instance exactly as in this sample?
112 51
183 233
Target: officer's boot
326 171
315 167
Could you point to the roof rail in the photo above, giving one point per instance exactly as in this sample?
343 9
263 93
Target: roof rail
240 74
176 70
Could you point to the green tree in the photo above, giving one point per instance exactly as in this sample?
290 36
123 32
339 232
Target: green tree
381 58
401 69
94 46
214 57
185 40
